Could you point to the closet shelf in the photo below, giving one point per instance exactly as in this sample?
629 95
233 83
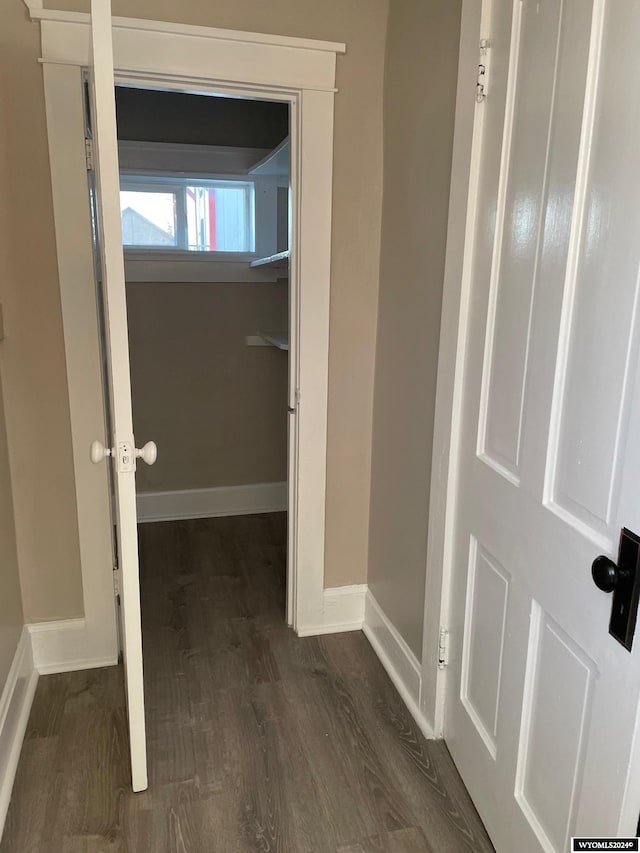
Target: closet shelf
275 163
278 339
279 261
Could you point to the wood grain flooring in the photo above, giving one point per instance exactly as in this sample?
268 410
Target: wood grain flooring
259 742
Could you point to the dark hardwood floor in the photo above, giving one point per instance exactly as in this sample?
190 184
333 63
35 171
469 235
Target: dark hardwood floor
258 740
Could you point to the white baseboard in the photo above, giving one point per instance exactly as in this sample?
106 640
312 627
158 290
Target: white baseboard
64 646
342 610
15 706
209 503
400 663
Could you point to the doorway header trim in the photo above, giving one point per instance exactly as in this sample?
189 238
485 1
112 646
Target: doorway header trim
38 13
219 56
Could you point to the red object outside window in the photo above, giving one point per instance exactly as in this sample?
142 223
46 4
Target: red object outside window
212 220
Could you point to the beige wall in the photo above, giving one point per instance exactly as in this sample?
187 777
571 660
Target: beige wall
34 369
419 103
216 408
11 613
32 359
11 616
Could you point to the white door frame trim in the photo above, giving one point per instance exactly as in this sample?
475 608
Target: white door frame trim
455 305
299 71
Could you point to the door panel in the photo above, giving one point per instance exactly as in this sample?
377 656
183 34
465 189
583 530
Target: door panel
515 253
541 701
484 634
552 743
598 330
121 427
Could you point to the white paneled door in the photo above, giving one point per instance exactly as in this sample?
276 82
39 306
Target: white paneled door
542 702
122 448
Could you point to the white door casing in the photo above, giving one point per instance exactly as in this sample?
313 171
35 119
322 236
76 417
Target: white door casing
188 58
122 442
542 704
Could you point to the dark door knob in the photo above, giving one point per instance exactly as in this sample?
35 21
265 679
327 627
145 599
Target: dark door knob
606 574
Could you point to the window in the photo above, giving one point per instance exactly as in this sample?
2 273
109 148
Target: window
188 214
148 217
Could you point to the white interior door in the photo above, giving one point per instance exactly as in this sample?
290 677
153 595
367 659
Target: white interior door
123 453
542 702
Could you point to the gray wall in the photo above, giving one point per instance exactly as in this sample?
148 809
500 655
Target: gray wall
151 116
419 106
216 408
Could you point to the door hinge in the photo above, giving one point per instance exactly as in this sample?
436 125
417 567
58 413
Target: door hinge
116 583
482 81
88 154
296 402
443 648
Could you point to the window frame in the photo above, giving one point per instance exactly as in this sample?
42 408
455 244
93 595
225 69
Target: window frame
137 181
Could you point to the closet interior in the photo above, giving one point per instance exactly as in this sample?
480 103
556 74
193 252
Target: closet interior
205 206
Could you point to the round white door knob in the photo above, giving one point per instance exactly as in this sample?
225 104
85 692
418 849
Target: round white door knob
98 452
148 453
